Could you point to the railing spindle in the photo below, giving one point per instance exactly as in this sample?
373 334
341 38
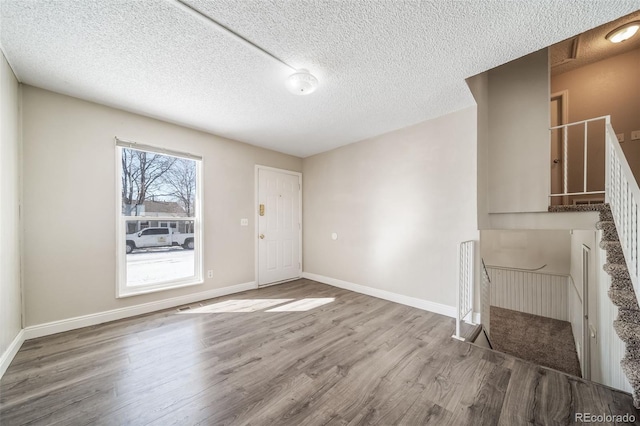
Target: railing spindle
623 195
584 187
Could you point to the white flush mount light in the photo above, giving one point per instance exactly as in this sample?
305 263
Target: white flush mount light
302 82
624 32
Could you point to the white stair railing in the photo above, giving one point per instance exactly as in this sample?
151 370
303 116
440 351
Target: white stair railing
563 132
466 274
623 196
485 309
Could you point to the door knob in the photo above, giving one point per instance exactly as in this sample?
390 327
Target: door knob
262 236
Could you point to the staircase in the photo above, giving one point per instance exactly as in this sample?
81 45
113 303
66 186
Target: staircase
621 293
620 226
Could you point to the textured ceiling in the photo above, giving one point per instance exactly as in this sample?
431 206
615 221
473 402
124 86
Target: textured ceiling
382 64
591 46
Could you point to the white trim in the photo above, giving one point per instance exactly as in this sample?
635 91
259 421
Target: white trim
585 359
158 218
121 288
159 286
256 220
563 95
54 327
564 98
10 353
156 149
414 302
278 282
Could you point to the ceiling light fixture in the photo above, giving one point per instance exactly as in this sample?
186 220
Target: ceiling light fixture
624 32
302 82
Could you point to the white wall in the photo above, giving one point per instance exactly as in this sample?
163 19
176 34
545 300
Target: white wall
608 350
535 293
70 203
528 249
400 203
10 297
577 296
542 292
574 306
519 148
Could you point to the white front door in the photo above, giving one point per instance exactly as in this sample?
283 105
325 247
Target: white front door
279 226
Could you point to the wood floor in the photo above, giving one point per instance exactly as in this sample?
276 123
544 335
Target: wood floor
351 360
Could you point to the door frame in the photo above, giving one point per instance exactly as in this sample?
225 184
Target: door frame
256 218
563 95
586 330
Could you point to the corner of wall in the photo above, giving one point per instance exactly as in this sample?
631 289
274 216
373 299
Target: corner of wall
11 307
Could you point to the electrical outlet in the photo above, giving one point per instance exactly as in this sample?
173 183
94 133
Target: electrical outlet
635 135
209 273
244 222
620 137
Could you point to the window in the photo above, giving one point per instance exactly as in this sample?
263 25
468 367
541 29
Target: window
156 231
159 229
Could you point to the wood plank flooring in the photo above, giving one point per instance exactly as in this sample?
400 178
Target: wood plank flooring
351 360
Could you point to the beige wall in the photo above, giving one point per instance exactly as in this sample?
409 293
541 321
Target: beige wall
518 123
608 87
528 249
479 86
70 202
10 298
400 203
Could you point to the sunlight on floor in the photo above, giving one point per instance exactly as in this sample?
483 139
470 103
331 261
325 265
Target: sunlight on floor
254 305
303 305
242 305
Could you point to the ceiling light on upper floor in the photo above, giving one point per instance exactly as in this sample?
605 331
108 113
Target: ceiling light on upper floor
302 82
624 32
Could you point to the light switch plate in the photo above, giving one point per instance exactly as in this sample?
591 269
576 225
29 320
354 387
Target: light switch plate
635 135
244 222
620 137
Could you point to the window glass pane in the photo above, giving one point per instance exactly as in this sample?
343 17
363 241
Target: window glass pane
157 185
158 218
158 255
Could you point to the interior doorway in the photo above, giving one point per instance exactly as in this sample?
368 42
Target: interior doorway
559 116
279 225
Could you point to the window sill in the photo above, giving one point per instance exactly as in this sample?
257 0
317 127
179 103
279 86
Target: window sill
133 291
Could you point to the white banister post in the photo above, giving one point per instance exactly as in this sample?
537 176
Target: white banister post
565 160
466 280
584 187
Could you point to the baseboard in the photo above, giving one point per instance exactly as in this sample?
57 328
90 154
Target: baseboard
414 302
54 327
11 352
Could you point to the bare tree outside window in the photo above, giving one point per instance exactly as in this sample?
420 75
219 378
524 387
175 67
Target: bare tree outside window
180 180
158 224
156 177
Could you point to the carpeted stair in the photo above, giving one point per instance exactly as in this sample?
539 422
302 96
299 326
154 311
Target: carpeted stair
621 293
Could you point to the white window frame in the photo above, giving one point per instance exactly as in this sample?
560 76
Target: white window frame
122 290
